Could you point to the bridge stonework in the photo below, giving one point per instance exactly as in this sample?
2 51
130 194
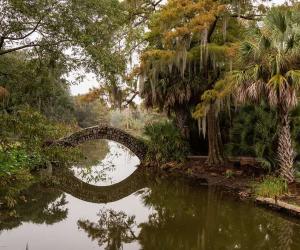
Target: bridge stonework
104 131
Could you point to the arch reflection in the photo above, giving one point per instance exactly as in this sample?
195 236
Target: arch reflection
105 162
100 194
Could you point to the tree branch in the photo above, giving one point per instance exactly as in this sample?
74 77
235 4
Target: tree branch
131 99
157 3
144 14
1 42
2 52
24 36
253 17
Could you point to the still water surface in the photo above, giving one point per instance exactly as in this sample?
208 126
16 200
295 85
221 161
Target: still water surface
105 202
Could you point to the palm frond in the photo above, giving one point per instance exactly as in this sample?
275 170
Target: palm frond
293 77
276 20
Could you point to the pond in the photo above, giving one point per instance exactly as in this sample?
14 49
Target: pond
106 202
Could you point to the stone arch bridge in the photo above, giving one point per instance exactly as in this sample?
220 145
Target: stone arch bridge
104 131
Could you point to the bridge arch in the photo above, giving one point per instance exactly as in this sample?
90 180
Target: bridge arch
104 131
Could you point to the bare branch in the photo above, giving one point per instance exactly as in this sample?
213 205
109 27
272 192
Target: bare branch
157 3
144 14
131 99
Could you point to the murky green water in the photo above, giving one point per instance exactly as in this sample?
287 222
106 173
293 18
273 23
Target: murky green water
106 203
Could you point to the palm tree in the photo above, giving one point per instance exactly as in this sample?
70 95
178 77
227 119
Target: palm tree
271 71
174 95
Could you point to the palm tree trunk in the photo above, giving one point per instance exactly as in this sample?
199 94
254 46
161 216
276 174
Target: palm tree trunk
181 120
285 149
215 146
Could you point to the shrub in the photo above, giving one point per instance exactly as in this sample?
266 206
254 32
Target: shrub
253 133
165 143
16 159
22 138
271 187
134 121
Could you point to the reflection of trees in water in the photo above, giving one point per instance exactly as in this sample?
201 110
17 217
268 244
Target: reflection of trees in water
112 229
95 175
38 205
93 152
186 218
127 150
99 160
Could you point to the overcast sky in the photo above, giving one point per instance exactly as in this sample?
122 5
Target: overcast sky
90 81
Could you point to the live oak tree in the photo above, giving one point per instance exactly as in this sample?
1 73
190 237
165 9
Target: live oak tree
119 89
52 38
99 35
38 83
87 29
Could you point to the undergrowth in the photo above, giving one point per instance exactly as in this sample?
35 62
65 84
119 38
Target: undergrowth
271 187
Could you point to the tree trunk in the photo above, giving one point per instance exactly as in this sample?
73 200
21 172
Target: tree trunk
215 147
181 120
285 151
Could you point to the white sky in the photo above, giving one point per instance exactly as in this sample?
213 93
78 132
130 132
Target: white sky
89 80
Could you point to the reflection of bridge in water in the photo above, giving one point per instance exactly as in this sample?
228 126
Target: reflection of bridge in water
100 194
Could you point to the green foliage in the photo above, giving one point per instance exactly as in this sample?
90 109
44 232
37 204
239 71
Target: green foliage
90 25
15 160
90 113
28 126
133 120
22 139
271 187
37 83
253 133
14 179
165 143
60 156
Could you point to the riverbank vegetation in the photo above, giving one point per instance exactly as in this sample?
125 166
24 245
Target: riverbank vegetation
271 187
215 78
165 144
